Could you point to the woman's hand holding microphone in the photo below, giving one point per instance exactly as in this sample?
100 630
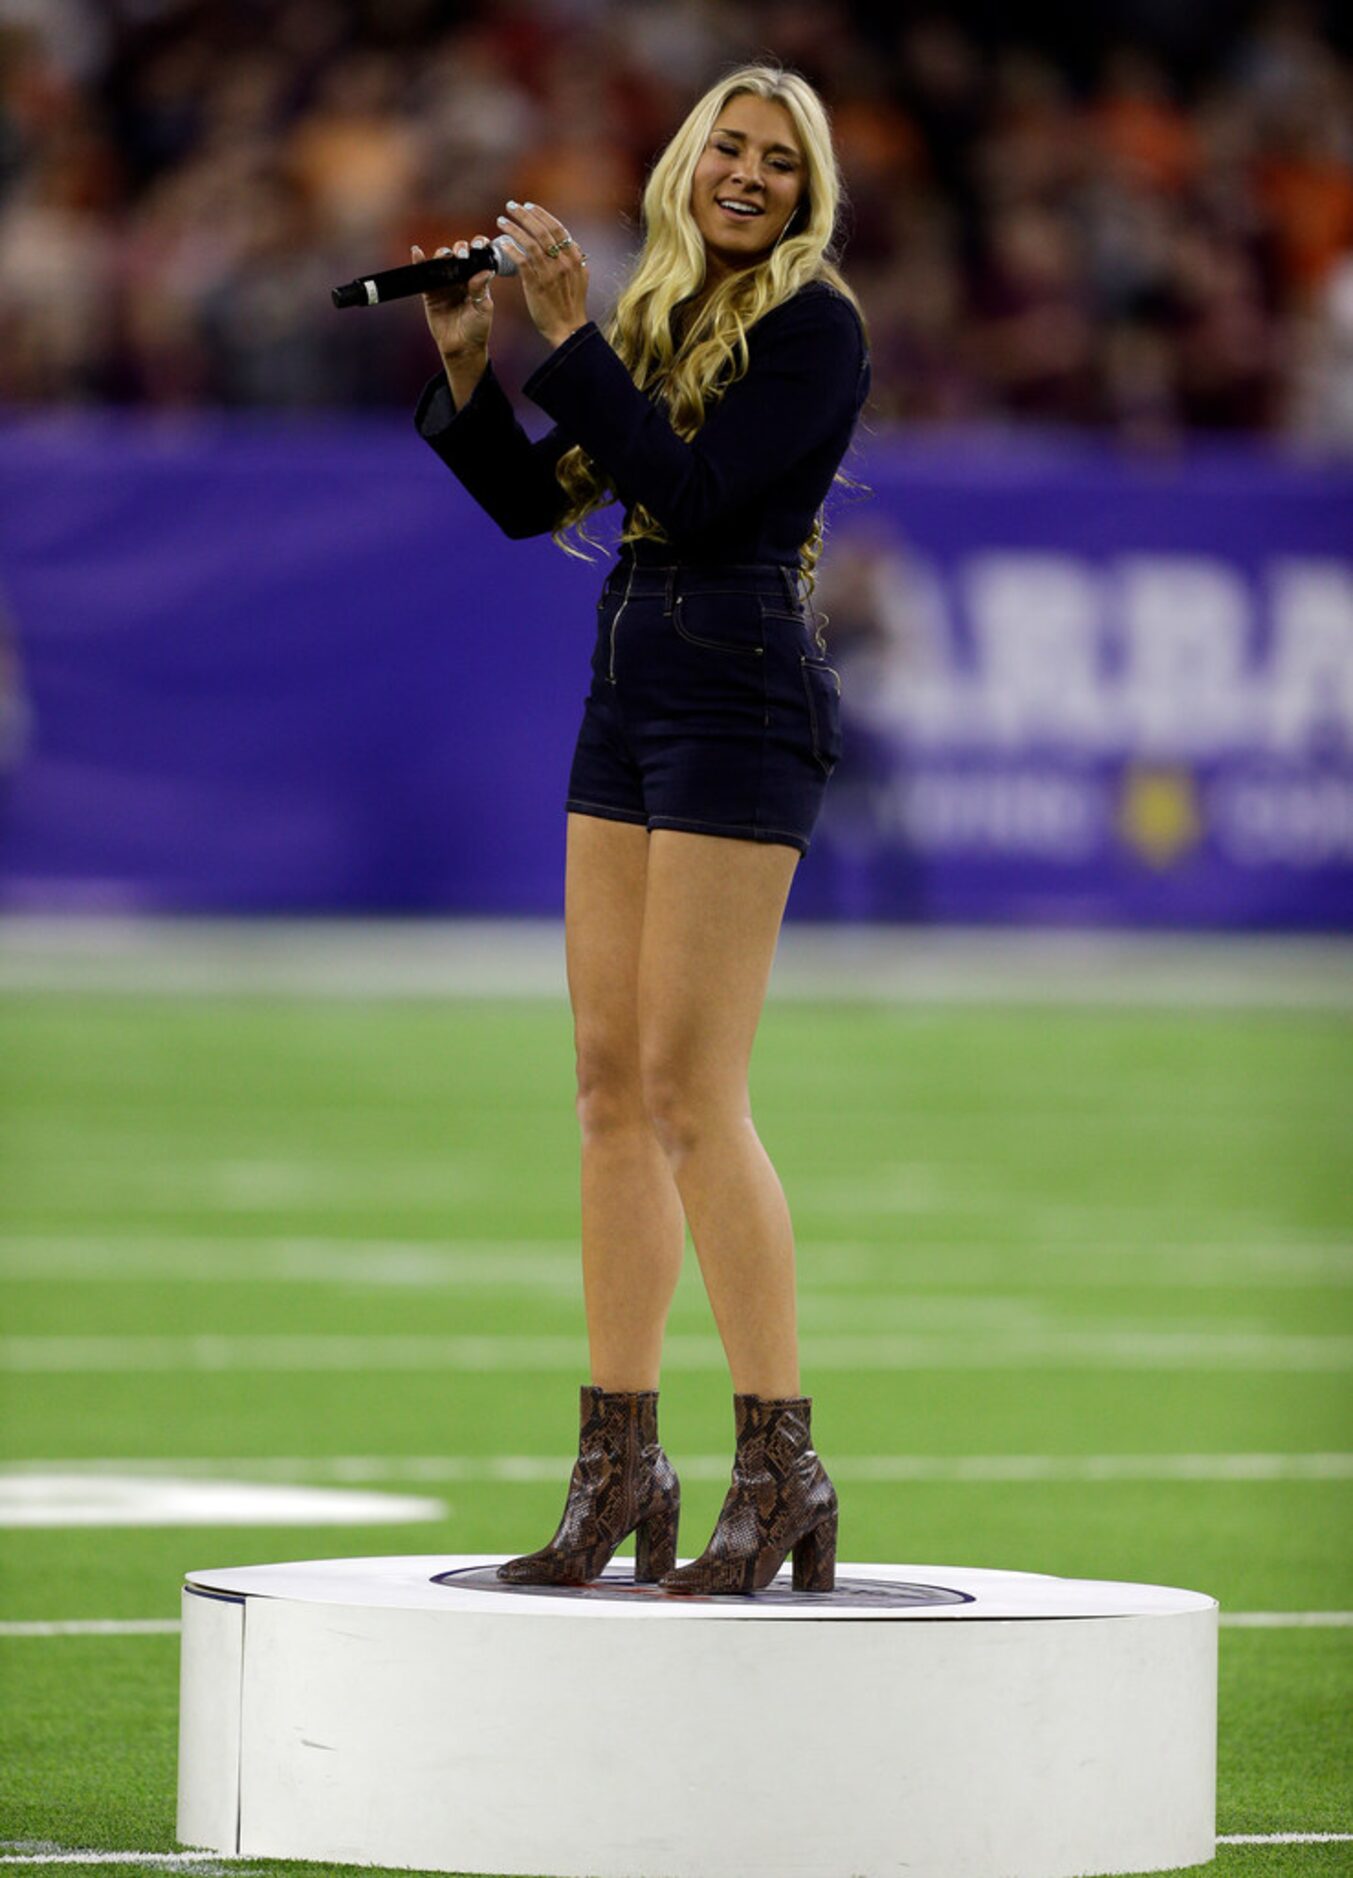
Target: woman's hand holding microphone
460 320
554 280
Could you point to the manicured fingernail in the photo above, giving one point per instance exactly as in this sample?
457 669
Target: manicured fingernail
502 221
528 205
515 205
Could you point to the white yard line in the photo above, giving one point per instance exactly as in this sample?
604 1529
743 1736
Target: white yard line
206 1862
169 1626
55 1497
834 1272
1284 1838
350 1470
219 1259
96 1627
1288 1620
203 1863
1016 1349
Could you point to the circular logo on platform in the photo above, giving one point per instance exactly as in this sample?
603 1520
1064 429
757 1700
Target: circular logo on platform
620 1584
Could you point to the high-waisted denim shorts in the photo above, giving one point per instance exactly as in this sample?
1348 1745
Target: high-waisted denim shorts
712 707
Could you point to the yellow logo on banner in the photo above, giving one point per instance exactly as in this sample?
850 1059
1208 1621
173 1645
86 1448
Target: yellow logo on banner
1158 814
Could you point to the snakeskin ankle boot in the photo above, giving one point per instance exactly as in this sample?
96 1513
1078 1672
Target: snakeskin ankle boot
780 1498
622 1483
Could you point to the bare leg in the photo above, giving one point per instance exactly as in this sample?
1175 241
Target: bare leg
633 1232
712 915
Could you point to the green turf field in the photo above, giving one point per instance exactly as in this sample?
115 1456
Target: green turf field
1074 1299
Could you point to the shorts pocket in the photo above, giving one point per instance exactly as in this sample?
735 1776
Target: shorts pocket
730 621
822 684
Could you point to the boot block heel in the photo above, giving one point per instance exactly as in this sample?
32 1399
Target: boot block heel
815 1558
655 1543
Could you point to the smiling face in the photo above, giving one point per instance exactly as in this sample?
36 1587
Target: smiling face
753 157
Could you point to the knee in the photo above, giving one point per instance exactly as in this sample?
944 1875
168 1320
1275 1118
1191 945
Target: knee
683 1107
609 1095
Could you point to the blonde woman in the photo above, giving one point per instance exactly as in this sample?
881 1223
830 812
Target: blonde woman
716 407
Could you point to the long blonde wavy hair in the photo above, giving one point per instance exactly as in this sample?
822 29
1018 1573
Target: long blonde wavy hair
690 370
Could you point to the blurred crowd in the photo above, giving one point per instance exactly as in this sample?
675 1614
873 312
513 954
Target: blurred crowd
1121 241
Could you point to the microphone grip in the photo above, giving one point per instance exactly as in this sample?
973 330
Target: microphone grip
443 270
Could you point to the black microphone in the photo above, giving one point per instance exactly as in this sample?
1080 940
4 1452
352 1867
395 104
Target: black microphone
443 270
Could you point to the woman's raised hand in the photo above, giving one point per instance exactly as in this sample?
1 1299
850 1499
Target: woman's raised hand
460 318
553 270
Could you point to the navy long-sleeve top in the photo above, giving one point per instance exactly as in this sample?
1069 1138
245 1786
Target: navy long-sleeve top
748 485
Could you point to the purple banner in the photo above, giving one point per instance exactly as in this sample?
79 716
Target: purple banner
1085 692
263 667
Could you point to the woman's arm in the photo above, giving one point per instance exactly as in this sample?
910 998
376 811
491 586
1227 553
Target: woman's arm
807 375
482 443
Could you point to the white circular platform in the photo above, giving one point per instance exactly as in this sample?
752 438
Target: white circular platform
921 1721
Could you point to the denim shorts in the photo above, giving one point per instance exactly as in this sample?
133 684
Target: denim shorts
712 707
